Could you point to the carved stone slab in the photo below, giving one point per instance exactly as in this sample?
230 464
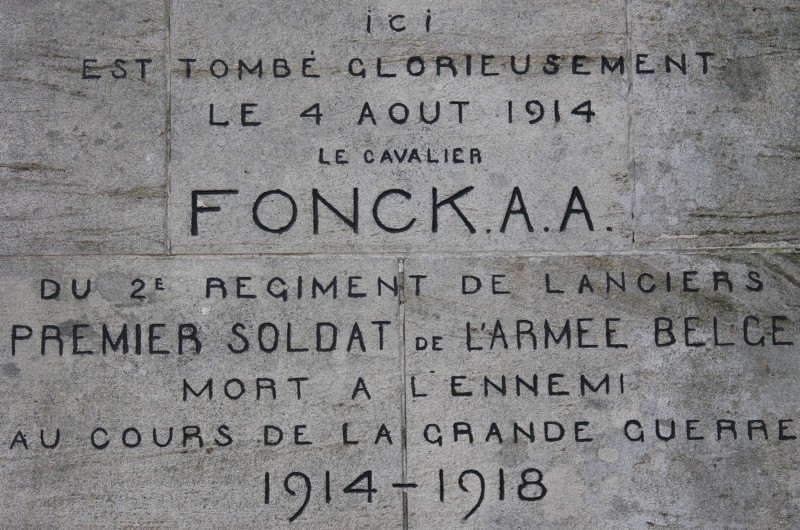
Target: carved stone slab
168 407
555 396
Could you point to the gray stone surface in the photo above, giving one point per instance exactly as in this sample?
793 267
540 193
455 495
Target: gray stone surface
716 159
82 160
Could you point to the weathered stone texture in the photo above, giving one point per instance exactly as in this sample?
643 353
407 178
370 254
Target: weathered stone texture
717 159
82 161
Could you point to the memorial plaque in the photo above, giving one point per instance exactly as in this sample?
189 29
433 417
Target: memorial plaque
401 265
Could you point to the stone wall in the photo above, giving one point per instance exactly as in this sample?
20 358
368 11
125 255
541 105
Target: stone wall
401 265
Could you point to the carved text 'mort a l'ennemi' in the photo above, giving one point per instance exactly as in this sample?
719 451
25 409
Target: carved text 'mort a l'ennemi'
551 385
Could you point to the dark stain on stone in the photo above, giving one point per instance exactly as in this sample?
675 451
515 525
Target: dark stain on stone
741 215
10 369
785 274
31 166
747 77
